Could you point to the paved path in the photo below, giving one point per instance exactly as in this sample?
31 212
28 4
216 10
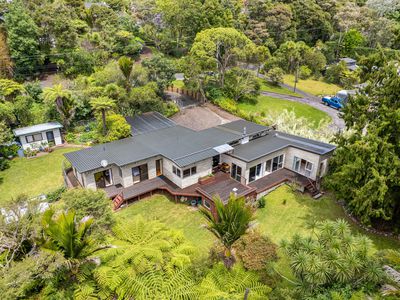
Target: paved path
338 123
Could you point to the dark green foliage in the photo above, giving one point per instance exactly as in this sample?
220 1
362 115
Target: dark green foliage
90 203
161 71
366 166
255 251
4 164
22 40
261 202
333 257
275 75
117 128
241 85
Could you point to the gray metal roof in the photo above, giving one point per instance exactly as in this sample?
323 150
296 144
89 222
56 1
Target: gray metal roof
275 141
185 146
36 128
148 122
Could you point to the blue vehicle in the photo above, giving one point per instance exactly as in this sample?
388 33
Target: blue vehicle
339 100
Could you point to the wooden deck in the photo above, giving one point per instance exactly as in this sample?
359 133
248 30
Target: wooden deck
70 179
278 177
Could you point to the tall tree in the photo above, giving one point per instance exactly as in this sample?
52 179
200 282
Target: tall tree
6 65
102 105
229 222
23 41
62 99
217 49
366 166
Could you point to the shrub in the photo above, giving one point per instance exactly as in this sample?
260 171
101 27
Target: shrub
170 109
56 194
90 203
4 164
304 72
261 202
255 251
9 150
275 75
117 128
70 137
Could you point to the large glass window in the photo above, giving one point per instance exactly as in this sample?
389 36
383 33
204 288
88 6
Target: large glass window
277 162
34 138
303 166
206 204
176 171
189 172
255 172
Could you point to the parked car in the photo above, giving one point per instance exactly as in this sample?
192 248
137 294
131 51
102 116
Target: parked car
339 100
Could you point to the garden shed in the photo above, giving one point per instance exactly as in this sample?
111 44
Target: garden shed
40 135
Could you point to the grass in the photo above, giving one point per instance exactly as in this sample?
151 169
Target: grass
269 87
178 84
274 106
177 216
314 87
277 220
33 176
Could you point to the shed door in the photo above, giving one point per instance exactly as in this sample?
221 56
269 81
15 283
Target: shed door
50 136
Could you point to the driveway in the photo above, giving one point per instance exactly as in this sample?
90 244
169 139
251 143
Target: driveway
313 101
203 117
182 101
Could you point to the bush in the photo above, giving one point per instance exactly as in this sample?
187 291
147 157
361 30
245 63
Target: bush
255 251
4 164
70 137
56 195
117 128
261 202
275 75
90 203
170 109
304 72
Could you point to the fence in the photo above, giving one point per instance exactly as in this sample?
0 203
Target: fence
192 94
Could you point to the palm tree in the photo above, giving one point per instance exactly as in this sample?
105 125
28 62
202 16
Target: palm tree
237 283
102 105
126 65
64 234
230 222
63 101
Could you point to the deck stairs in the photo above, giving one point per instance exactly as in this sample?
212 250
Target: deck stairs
118 201
313 190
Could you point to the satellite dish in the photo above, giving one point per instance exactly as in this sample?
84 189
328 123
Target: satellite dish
104 163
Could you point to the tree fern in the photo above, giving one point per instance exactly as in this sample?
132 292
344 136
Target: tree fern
223 284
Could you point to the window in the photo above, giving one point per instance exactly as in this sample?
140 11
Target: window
206 204
268 165
34 138
255 172
189 172
176 171
308 169
277 162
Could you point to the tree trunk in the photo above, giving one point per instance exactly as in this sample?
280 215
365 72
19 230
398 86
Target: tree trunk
103 116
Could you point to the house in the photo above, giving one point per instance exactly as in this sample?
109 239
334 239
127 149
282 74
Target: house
240 157
36 136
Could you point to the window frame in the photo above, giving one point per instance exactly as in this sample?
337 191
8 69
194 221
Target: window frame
208 206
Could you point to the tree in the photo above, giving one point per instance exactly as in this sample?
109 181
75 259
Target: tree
217 49
161 70
125 65
332 257
143 99
150 261
351 40
229 223
23 41
365 167
62 99
275 75
5 133
234 284
90 203
242 85
102 105
6 65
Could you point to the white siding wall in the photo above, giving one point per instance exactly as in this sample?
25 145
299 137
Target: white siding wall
203 167
311 157
89 176
127 179
36 145
262 161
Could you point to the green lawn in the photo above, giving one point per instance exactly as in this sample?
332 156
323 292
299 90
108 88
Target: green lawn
314 87
275 106
33 176
177 216
178 83
277 220
269 87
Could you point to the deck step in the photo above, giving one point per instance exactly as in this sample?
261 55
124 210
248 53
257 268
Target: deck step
318 195
118 200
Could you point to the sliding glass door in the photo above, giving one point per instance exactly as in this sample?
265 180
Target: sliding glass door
140 173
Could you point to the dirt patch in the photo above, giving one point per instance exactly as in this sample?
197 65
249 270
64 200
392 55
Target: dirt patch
203 117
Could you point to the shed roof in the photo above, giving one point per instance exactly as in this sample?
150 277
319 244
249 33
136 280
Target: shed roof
37 128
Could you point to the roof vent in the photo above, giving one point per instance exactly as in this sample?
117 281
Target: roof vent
244 131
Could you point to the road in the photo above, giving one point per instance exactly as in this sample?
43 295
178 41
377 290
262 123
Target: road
337 122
